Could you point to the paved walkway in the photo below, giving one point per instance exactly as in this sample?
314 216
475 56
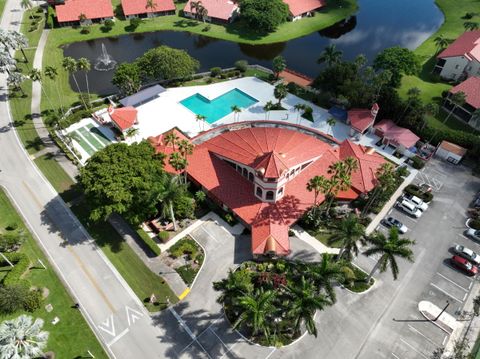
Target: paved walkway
313 242
378 218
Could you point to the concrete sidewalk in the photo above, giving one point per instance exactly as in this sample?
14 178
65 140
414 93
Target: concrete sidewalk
445 321
313 242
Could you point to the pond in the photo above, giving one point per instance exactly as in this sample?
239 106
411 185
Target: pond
376 26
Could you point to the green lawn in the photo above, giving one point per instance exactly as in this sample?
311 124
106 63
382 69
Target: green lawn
431 89
72 336
21 105
2 6
234 32
138 276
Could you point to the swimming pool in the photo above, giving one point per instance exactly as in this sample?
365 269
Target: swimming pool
220 106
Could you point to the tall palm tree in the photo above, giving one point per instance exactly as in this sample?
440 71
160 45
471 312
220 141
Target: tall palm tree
201 121
132 132
306 301
171 139
456 99
298 107
389 249
186 149
172 191
6 61
317 185
280 92
255 311
194 5
16 79
349 232
330 55
202 12
441 42
326 274
177 162
22 338
52 73
83 64
331 122
69 64
267 108
470 26
151 4
14 40
385 180
234 286
236 112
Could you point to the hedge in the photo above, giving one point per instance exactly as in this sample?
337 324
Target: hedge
22 263
149 242
415 191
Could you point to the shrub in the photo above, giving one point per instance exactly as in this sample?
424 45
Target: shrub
151 244
12 298
10 242
223 76
164 236
207 28
184 207
12 226
417 162
50 17
184 246
187 273
474 223
215 71
135 22
109 23
415 191
32 300
85 30
21 265
241 65
200 196
402 171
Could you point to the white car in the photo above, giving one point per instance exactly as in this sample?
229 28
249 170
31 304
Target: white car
473 233
409 208
417 201
468 254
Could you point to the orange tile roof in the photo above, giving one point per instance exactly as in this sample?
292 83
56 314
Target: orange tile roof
124 117
396 134
453 148
92 9
219 9
136 7
361 119
296 77
471 88
158 142
467 44
299 7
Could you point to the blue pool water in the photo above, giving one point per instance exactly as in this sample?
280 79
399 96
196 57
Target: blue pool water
219 107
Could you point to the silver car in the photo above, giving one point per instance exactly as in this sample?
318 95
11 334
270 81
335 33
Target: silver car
473 233
393 222
467 253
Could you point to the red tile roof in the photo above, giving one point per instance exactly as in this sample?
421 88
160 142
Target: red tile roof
92 9
396 134
453 148
219 9
292 76
299 7
360 119
158 142
468 45
270 221
124 117
136 7
471 88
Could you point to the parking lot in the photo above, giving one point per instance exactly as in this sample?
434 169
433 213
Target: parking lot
436 232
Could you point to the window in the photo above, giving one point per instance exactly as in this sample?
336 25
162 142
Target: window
292 172
269 196
305 165
239 169
250 176
244 172
259 192
280 191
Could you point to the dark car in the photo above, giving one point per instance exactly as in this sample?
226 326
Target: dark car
464 265
392 222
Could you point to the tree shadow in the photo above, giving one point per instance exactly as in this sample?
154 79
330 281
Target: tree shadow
184 23
36 144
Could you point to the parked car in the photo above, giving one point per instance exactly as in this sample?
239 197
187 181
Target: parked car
425 187
467 253
392 222
409 208
417 201
464 265
473 233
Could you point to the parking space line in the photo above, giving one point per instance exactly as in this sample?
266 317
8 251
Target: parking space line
269 355
209 234
463 236
445 340
415 350
445 292
423 335
389 212
229 350
451 281
211 330
395 356
465 296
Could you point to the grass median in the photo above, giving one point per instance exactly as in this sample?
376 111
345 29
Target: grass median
71 337
138 276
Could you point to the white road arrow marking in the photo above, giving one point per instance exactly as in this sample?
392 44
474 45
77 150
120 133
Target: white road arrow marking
132 315
108 326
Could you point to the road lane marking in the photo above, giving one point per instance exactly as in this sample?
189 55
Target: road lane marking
182 323
132 315
423 335
445 292
269 355
415 350
118 337
108 326
451 281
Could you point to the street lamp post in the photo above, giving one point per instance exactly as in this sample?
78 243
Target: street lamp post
438 316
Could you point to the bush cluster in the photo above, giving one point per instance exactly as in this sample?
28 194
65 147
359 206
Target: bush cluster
21 262
417 162
184 246
149 242
415 191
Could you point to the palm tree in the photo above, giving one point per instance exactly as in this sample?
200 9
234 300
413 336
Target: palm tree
280 92
456 99
194 5
267 108
177 162
475 118
84 65
255 311
186 149
16 79
70 65
305 303
26 5
202 12
236 112
470 26
172 191
171 139
413 94
326 274
441 42
385 180
22 338
82 18
6 61
299 107
237 284
52 73
151 4
14 40
317 185
349 232
331 122
389 249
330 55
132 132
201 120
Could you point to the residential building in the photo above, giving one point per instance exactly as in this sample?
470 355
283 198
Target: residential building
401 139
162 145
303 8
83 12
260 173
461 59
450 152
123 118
223 11
471 88
361 120
141 8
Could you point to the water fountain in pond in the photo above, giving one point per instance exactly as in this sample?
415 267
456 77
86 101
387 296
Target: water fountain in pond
104 62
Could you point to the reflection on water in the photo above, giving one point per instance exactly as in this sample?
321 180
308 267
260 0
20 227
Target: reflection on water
376 26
